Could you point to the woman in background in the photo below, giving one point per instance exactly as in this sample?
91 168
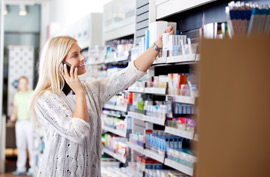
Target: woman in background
23 127
72 123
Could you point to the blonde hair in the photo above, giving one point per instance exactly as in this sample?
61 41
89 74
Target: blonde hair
50 69
22 77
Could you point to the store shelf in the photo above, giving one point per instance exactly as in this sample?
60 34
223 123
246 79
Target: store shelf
156 91
171 7
113 115
160 60
181 58
154 155
117 108
135 173
110 61
135 115
115 131
183 99
121 108
155 120
97 63
108 106
136 89
120 32
136 147
179 167
181 133
114 155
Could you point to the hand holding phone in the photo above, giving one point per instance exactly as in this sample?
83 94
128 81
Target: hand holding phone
72 82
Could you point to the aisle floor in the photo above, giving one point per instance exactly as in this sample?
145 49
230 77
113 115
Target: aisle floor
10 165
9 175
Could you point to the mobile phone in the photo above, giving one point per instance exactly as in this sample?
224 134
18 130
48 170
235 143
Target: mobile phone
68 66
66 89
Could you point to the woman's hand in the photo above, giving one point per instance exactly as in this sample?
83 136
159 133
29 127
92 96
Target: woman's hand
158 42
72 79
13 118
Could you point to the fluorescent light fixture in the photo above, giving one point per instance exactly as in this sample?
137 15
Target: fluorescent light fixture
5 10
22 11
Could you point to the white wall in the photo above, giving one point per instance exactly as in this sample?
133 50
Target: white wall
62 13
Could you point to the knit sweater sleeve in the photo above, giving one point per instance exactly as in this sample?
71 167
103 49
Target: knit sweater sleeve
55 115
106 88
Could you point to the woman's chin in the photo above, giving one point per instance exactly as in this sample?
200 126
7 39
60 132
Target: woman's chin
81 72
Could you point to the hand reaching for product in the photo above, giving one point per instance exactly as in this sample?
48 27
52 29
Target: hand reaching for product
170 30
72 79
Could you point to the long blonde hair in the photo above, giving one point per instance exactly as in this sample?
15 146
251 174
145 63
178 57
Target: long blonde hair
50 69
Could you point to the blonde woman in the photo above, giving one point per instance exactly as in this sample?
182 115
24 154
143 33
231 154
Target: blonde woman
23 127
71 122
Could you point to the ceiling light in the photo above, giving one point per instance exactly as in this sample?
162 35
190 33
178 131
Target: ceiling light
5 10
22 11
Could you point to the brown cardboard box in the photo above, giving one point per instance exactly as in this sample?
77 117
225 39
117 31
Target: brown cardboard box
234 104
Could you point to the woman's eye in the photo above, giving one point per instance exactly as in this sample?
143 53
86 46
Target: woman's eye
75 55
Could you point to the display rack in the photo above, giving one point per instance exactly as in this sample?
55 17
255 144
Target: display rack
116 108
135 173
115 131
155 120
179 166
169 7
155 91
154 155
136 147
160 10
114 155
178 132
184 99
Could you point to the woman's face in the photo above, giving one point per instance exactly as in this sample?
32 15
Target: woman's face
75 58
23 84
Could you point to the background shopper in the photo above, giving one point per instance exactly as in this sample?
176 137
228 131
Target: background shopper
23 127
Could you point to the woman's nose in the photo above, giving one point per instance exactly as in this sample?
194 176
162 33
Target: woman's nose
82 58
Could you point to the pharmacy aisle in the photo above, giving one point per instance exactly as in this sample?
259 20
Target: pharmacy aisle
201 107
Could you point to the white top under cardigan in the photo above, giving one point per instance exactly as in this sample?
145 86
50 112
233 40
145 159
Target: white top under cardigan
73 146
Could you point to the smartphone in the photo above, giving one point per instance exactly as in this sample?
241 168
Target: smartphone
68 66
66 89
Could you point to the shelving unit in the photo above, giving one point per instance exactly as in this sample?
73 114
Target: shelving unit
156 11
155 91
181 133
154 155
158 121
116 108
135 173
136 147
184 99
147 152
179 166
170 7
115 131
114 155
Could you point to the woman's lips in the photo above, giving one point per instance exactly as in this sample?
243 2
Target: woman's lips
81 66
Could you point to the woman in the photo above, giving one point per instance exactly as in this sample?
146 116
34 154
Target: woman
72 123
23 127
